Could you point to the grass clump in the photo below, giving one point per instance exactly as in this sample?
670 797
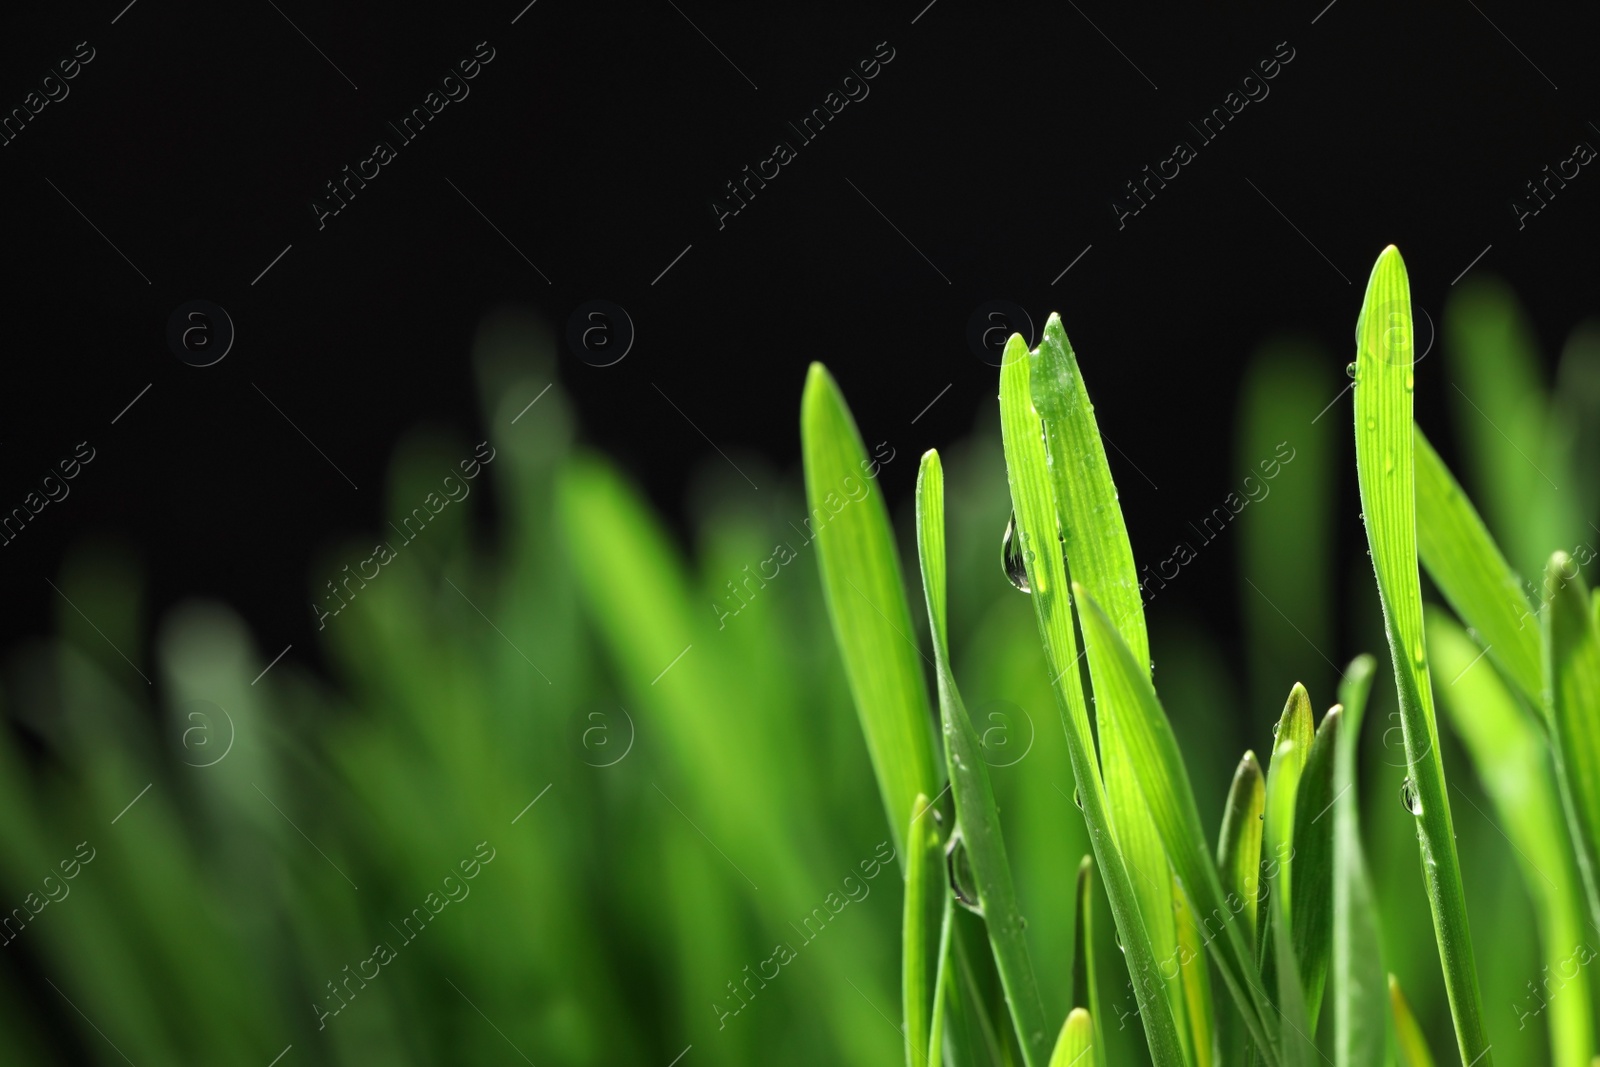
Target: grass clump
1268 949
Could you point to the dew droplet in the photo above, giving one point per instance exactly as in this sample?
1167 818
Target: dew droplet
1118 934
1012 560
1372 423
1350 369
958 865
1409 798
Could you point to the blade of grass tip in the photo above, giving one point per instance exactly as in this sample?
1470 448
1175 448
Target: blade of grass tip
866 598
924 881
1027 474
1360 1016
1239 863
977 816
1408 1037
1239 844
1100 558
1312 863
1386 475
941 985
1572 682
1297 725
1284 775
1472 573
1513 762
1076 1040
1157 766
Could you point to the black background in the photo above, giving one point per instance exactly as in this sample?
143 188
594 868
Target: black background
595 141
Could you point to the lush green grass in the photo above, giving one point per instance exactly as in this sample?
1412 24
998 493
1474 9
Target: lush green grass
749 763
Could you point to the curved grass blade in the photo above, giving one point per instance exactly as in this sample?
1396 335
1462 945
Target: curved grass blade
1074 1045
866 599
1408 1035
1162 778
1284 774
1513 762
1027 473
1469 569
1360 1016
1312 924
1239 864
1572 681
1385 472
924 882
1100 558
977 816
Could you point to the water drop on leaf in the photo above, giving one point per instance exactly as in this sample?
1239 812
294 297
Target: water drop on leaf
1409 798
1012 560
963 885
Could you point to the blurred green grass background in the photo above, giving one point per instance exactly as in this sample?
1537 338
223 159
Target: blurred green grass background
698 783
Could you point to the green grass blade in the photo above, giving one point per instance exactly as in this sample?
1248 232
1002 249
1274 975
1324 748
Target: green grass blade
1076 1040
866 599
1360 1015
1284 774
1295 724
1196 976
1469 569
1154 762
1572 681
1408 1035
1100 558
941 985
1385 472
924 882
1312 916
1239 864
1239 846
1513 762
1093 968
978 819
1028 475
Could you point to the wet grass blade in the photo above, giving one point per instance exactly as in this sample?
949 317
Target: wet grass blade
1157 767
919 932
1028 475
1360 1016
977 817
1239 864
1572 680
1469 569
1385 472
1076 1040
1513 762
866 599
1408 1035
941 985
1100 558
